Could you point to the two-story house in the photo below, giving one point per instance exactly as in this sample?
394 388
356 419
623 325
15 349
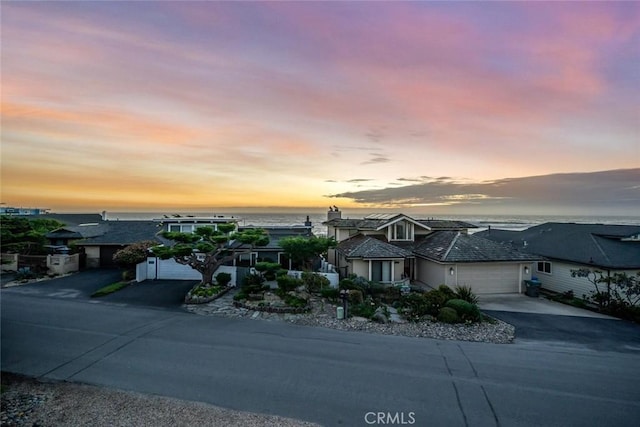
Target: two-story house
397 249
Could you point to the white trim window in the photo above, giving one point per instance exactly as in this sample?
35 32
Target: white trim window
189 228
401 230
543 267
381 271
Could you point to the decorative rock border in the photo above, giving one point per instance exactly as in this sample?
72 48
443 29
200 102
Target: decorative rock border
189 299
271 309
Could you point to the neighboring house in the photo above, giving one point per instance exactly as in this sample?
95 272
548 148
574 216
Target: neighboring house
117 235
273 251
397 249
568 246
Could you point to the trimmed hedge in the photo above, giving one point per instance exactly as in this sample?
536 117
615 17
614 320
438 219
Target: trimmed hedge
448 315
466 311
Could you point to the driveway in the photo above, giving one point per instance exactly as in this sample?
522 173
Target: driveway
164 294
540 320
521 303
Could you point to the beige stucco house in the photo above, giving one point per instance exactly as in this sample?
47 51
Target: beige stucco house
397 249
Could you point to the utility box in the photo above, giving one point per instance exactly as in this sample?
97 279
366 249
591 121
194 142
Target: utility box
340 313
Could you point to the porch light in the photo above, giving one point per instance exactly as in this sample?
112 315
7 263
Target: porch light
526 270
452 271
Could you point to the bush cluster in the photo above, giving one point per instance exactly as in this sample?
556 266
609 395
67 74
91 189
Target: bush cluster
439 304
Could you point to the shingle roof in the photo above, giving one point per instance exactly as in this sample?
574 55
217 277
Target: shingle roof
374 224
77 231
361 246
70 219
452 246
445 224
590 244
126 232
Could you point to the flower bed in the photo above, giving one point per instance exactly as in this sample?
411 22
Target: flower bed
202 294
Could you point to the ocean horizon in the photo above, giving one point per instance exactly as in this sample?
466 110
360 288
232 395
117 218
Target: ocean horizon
482 221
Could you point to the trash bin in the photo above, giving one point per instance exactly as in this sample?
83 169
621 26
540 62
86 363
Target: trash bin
533 288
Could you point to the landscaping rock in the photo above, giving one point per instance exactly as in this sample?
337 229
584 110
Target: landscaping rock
323 314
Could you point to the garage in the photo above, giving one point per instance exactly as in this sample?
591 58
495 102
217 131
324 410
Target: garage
491 278
106 255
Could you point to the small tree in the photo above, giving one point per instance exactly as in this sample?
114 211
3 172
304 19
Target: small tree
602 284
25 236
133 254
304 250
206 248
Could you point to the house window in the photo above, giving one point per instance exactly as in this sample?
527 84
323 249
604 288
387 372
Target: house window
381 271
400 231
189 228
544 267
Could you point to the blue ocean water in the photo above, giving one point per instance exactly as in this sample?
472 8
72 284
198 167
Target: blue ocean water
504 222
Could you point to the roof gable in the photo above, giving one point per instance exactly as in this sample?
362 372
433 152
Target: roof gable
368 247
399 218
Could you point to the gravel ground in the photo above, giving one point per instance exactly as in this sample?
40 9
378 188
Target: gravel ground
28 402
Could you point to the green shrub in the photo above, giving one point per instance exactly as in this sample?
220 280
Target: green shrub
223 279
414 306
355 296
330 293
240 296
465 293
466 311
253 284
294 301
447 292
435 300
448 315
269 269
289 283
364 309
314 282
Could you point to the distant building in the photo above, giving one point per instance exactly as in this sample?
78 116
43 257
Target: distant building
12 211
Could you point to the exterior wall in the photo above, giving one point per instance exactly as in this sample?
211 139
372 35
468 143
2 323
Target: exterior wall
560 279
168 269
93 256
63 264
430 273
9 262
360 268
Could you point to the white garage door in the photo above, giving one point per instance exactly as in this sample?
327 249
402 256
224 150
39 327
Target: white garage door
489 279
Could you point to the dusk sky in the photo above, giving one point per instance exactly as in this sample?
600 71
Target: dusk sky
443 107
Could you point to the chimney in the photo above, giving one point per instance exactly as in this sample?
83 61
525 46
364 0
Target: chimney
334 213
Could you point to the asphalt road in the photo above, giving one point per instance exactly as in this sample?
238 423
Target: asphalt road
321 375
593 333
160 294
